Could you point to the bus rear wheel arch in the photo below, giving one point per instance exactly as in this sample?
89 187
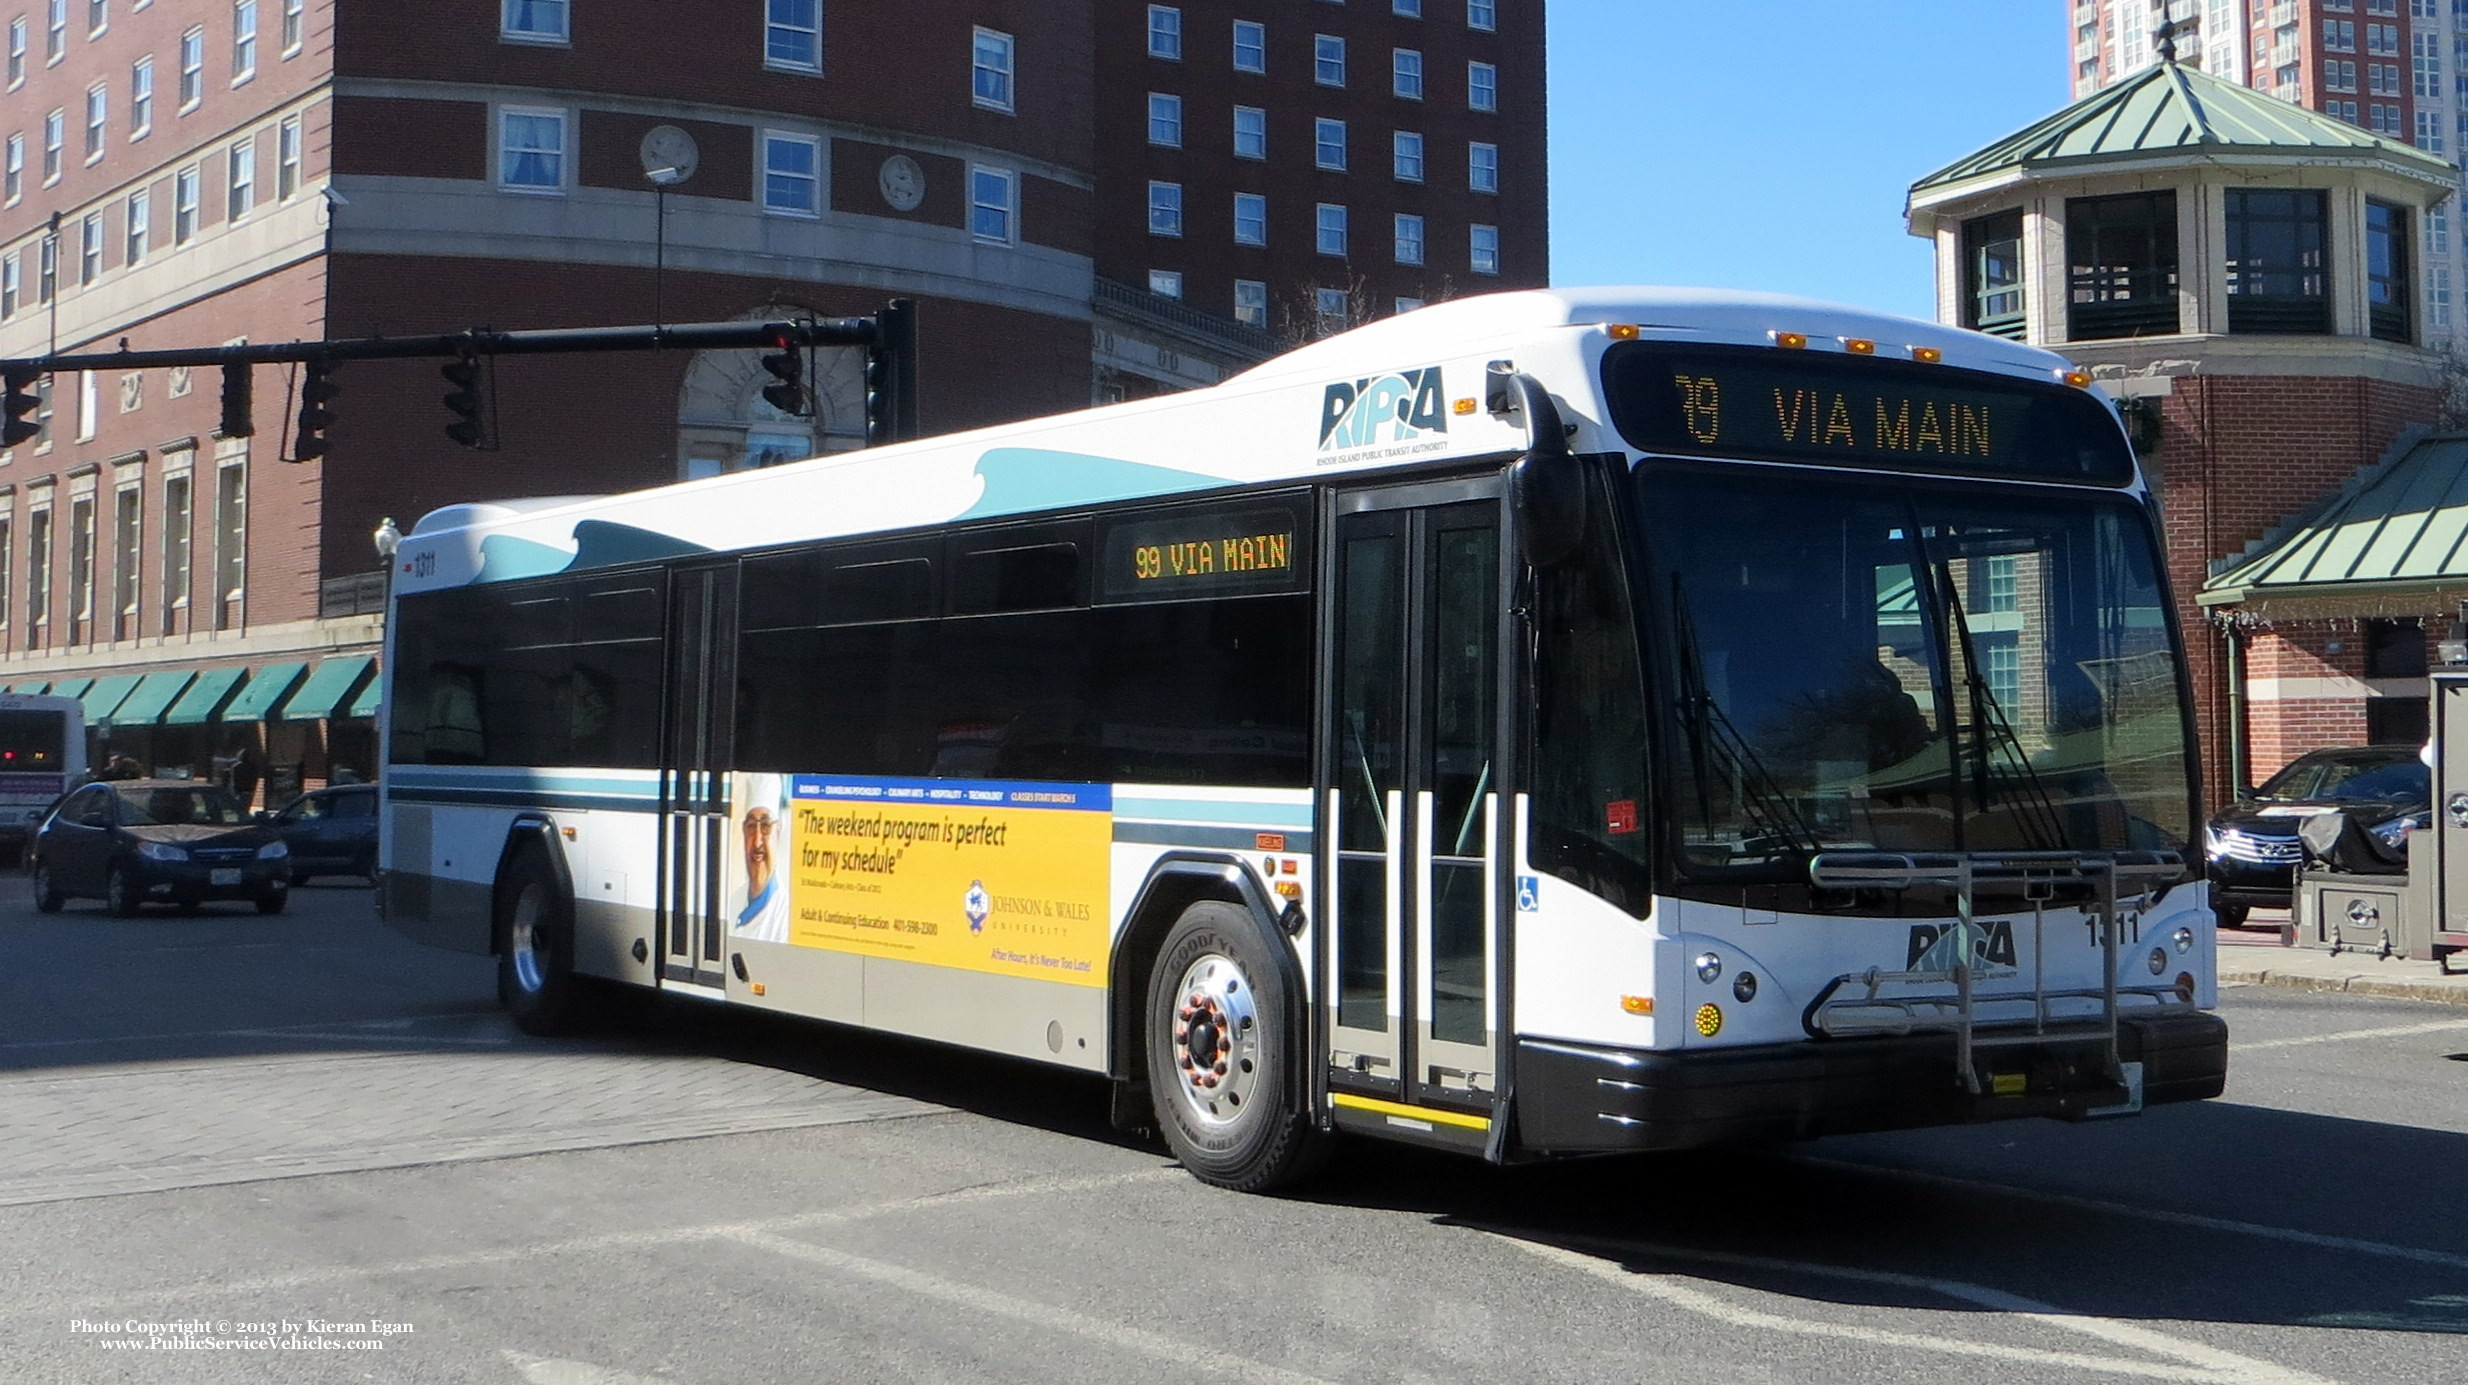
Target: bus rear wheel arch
1223 1031
534 929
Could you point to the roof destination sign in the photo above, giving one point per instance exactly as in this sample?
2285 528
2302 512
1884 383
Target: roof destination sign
1857 411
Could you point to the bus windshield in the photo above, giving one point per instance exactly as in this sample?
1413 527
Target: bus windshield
1895 665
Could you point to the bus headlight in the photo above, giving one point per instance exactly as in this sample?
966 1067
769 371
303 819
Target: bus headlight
1709 967
2183 938
2159 960
1744 987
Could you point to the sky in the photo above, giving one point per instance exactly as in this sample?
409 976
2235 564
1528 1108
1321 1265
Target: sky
1769 144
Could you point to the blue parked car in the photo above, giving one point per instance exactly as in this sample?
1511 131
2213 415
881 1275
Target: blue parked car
331 832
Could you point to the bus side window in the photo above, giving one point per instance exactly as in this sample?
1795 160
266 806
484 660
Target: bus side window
1589 774
454 733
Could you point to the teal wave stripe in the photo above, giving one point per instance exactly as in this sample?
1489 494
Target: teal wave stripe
1021 479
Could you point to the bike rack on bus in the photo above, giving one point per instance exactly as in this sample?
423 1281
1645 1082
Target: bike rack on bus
2113 877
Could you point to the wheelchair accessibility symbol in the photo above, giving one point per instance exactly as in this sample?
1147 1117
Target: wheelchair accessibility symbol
1529 894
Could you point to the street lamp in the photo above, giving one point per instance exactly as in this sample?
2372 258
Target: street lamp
387 538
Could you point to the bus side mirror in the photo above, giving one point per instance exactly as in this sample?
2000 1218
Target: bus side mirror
1546 486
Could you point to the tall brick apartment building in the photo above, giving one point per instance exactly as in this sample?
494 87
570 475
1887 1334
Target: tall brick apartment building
194 172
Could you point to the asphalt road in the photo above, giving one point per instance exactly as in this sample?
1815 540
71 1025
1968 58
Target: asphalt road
225 1131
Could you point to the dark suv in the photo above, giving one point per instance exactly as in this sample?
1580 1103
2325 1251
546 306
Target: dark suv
331 831
164 841
2252 845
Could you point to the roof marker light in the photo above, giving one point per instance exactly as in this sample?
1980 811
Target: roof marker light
2079 379
1926 355
1859 346
1623 331
1790 341
1463 407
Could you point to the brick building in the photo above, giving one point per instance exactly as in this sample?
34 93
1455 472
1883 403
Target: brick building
195 172
2240 272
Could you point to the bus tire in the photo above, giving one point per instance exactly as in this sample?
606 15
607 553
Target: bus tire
1222 1040
535 952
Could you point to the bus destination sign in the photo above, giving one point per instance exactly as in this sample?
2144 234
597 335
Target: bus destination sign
1204 553
1858 411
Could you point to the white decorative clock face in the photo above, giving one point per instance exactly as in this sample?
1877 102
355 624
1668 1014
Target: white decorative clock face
903 182
669 155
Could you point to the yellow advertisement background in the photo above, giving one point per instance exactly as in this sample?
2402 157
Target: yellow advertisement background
894 880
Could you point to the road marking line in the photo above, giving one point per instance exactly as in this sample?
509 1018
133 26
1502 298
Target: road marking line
542 1370
1189 1355
2396 1031
2195 1362
622 1240
2445 1259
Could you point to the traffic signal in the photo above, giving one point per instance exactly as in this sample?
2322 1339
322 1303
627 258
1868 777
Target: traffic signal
881 426
237 378
317 389
787 390
19 406
463 400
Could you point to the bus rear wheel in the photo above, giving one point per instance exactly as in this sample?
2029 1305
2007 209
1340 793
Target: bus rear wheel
1221 1054
535 954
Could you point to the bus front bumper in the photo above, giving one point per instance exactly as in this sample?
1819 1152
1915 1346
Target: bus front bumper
1579 1099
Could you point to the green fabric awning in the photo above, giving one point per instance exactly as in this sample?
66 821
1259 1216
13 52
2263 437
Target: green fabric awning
29 688
144 706
334 680
105 696
265 688
365 705
71 687
204 698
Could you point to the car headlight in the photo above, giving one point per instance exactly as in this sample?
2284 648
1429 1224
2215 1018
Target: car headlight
2395 832
273 851
2210 841
161 851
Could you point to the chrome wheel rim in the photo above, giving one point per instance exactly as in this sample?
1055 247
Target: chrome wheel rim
525 941
1216 1041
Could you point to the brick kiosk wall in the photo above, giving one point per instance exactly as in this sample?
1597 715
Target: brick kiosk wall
2238 456
2281 729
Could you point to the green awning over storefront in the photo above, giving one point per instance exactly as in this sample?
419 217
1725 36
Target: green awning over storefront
144 707
71 687
265 688
205 696
106 695
34 687
334 680
365 705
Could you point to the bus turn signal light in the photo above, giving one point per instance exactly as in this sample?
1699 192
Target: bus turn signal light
1637 1004
1709 1020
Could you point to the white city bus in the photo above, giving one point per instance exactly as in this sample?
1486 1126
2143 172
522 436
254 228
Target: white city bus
1545 724
42 756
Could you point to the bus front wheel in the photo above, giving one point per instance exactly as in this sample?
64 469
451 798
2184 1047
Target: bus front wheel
1221 1051
535 954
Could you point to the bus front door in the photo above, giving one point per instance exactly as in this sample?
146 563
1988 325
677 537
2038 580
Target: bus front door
1411 1004
694 761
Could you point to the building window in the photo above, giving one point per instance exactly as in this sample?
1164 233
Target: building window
1409 239
1406 305
1407 9
2338 110
1482 14
1992 274
1482 168
55 131
993 205
2122 258
1482 87
98 120
2389 294
2429 131
1250 132
292 27
2339 74
1406 74
140 227
38 577
17 62
2395 649
2438 228
990 70
531 150
2382 40
141 98
13 170
792 174
1251 302
89 249
55 31
6 561
793 35
192 68
1328 144
10 286
81 570
2276 276
2426 62
1328 60
2382 79
1165 120
1334 310
522 21
176 525
47 273
1250 218
243 40
1408 154
231 529
1486 246
1250 46
127 532
2339 35
1329 232
2438 299
1165 283
286 158
98 16
184 185
241 192
89 402
1165 209
1165 32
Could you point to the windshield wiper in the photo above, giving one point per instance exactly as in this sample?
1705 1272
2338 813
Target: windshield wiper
1989 727
1763 803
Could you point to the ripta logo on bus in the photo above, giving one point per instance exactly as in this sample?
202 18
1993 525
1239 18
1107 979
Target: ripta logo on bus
1352 413
1992 948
